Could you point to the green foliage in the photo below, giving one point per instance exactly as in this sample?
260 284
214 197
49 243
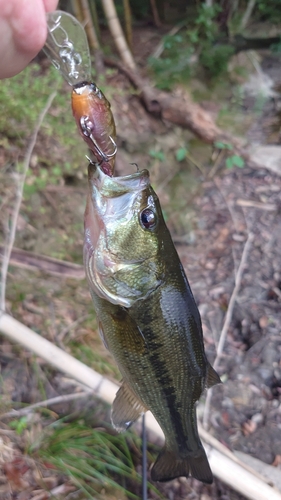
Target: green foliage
174 65
181 154
205 25
22 99
177 63
269 10
215 58
157 155
88 355
234 161
223 145
19 425
95 461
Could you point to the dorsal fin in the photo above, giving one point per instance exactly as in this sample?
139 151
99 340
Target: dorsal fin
126 408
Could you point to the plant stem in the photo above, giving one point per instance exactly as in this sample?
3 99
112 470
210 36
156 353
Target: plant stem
19 194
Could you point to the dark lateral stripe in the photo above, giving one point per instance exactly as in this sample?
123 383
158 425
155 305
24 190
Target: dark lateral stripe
165 382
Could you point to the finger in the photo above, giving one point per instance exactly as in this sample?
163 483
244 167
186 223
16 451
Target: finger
50 5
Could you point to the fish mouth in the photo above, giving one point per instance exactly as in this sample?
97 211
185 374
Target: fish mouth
112 210
111 187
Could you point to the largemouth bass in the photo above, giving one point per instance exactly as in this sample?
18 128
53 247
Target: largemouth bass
147 317
95 122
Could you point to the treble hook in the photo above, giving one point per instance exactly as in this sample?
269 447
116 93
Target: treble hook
86 126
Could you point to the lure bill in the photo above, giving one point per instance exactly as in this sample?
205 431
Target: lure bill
95 122
67 47
147 318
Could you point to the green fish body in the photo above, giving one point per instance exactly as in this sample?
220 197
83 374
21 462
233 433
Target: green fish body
147 317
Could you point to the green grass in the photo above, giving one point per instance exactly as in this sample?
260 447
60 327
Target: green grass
89 355
97 462
22 99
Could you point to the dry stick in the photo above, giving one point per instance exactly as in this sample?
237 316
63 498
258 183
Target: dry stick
57 357
247 14
117 33
44 404
26 162
231 471
227 320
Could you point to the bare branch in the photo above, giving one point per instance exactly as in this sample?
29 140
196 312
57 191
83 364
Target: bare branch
227 320
12 234
44 404
247 14
233 298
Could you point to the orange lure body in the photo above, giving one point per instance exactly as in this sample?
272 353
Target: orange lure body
95 123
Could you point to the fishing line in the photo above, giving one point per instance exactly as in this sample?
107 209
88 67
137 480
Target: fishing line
144 460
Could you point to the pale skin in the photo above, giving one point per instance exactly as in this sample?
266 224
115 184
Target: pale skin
23 32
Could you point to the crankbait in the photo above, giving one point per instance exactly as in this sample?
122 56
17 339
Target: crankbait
67 48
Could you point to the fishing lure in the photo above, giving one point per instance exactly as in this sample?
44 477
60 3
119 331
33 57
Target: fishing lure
95 123
67 47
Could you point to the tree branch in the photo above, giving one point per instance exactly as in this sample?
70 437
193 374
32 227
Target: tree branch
19 194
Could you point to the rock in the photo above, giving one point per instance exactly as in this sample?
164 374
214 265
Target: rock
268 157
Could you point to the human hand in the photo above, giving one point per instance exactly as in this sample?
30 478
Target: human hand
23 32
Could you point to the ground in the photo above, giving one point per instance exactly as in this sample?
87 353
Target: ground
210 211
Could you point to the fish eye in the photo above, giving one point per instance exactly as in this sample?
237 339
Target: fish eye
148 219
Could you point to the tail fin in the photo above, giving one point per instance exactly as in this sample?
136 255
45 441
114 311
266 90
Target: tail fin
169 466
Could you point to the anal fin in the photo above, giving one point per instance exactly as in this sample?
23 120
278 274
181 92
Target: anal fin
212 376
126 408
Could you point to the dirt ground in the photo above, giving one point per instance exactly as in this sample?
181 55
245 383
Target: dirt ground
210 216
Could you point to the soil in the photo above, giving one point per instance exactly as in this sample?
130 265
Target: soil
210 214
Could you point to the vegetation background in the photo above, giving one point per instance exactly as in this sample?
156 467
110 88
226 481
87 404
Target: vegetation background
199 55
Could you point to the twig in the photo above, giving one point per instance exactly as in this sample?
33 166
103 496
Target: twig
58 490
227 320
32 261
233 297
144 459
160 47
216 164
44 404
247 14
232 473
57 357
68 328
11 238
228 205
270 207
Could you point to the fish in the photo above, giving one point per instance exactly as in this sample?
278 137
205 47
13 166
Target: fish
147 318
95 122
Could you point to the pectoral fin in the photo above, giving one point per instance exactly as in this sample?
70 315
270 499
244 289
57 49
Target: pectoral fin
126 408
212 377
